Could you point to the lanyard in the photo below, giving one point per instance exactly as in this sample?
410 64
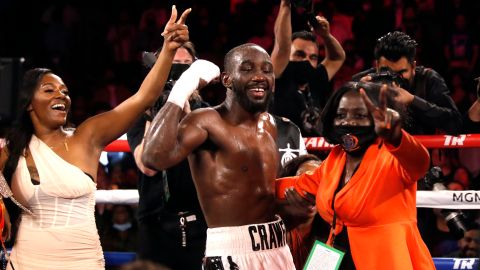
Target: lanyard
341 184
334 221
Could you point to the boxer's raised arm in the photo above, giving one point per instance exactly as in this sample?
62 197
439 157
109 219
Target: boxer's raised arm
169 141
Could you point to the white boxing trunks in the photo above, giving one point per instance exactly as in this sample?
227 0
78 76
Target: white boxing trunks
249 247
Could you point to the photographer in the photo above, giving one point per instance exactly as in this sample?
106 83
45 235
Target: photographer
166 196
421 89
302 81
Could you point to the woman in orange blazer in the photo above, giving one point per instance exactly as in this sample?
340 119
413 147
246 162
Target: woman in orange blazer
369 181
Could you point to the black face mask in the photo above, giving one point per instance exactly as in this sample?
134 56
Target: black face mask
302 71
354 139
177 70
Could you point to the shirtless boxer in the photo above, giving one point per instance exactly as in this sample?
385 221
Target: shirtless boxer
233 157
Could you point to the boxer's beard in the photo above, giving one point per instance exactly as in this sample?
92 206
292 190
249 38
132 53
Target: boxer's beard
254 106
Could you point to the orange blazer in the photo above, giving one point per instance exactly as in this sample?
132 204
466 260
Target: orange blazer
377 205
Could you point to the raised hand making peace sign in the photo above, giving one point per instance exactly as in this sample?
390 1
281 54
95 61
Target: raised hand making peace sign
387 121
176 32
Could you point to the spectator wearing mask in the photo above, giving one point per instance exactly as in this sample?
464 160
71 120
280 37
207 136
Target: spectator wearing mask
121 235
302 82
169 196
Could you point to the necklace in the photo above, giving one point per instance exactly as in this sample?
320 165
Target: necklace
65 145
349 173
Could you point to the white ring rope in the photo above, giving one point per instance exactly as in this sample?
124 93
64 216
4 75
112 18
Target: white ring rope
445 199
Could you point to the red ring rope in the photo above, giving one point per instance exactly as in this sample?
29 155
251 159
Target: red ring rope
318 143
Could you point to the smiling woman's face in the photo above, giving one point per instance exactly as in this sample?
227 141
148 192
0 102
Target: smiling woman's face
51 102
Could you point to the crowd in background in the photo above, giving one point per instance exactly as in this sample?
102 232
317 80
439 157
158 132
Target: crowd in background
96 46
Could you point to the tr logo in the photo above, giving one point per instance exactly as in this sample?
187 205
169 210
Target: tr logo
454 140
463 263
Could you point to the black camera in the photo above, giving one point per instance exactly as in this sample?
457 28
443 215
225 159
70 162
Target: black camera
309 15
385 75
302 3
457 221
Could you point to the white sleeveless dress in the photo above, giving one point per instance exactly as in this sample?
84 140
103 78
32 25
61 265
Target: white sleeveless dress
62 233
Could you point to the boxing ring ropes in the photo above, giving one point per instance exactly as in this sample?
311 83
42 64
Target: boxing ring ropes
445 199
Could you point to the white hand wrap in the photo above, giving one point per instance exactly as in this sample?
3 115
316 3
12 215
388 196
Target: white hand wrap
189 80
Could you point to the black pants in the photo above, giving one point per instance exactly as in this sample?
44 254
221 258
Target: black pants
165 247
341 242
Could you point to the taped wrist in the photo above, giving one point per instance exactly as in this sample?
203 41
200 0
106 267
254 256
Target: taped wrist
189 80
183 88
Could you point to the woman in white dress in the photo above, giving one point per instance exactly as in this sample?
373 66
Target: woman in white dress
52 171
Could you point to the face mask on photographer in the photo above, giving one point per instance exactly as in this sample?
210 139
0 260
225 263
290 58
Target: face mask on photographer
354 139
302 71
177 70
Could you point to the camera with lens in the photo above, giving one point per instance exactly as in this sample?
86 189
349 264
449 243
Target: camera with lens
457 221
309 15
302 3
385 75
